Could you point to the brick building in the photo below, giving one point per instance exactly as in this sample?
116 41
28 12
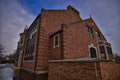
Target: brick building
58 35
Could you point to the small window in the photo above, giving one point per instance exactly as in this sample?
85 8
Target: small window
56 40
90 32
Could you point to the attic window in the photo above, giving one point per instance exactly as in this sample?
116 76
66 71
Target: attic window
98 38
90 32
56 40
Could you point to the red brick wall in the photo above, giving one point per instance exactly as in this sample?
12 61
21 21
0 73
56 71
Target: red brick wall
50 22
110 70
93 40
75 41
93 25
25 75
42 49
52 19
28 64
83 70
74 70
55 52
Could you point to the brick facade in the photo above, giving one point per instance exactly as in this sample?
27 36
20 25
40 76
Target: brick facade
74 40
83 70
110 70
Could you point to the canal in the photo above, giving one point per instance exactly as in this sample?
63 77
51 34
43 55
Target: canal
6 72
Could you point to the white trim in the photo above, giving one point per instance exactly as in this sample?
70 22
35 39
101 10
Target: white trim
106 52
28 55
28 60
92 46
96 69
99 55
54 41
41 72
28 69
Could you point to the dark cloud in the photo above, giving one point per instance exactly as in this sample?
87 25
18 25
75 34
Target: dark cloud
14 15
13 18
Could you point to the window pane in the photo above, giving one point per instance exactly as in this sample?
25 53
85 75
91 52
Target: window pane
109 53
102 49
93 53
90 32
97 36
102 52
30 43
109 50
56 41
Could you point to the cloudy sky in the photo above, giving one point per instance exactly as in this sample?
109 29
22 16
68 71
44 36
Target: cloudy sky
15 14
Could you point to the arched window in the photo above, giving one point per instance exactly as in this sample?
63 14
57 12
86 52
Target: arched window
93 52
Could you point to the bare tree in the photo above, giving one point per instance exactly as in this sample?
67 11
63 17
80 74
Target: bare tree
116 57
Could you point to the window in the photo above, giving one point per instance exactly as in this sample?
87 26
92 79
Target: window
30 44
102 49
56 40
93 52
97 36
102 52
109 51
90 32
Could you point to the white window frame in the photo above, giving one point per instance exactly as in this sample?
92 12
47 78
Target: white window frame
54 41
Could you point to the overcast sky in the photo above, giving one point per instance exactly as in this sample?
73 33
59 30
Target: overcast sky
15 14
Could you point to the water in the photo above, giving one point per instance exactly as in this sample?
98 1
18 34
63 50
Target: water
6 73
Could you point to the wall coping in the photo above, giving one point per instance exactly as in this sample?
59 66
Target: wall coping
35 72
81 60
41 72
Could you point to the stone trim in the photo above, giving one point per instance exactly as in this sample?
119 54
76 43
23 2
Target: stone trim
41 72
79 60
29 70
35 72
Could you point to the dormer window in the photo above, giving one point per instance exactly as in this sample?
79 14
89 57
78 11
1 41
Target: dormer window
56 40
